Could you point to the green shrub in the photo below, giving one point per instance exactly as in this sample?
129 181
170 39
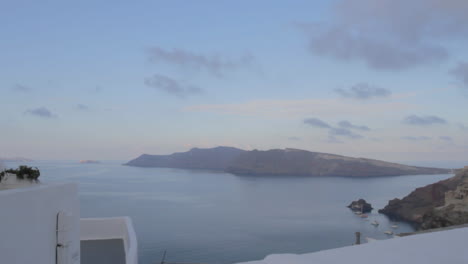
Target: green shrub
23 172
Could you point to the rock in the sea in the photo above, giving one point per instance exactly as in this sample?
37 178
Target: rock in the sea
360 205
441 204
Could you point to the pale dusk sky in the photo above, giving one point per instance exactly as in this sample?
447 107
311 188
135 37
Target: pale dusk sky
385 79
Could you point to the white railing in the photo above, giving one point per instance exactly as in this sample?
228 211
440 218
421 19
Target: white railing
112 228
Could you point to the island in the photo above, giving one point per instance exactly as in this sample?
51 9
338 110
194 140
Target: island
360 206
441 204
89 162
15 159
279 162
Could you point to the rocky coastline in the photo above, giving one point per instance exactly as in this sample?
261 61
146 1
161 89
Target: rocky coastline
280 162
441 204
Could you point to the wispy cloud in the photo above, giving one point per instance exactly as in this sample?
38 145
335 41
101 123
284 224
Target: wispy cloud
294 138
463 127
446 138
423 120
461 73
41 112
300 108
82 107
213 64
336 131
389 34
416 138
315 122
349 125
363 91
171 86
334 140
21 88
333 132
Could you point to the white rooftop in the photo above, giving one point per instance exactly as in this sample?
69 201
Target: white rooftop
449 246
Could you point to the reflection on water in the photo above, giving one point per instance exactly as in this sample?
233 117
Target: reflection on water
211 217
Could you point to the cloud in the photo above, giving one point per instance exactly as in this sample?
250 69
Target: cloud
315 122
41 112
298 108
97 89
349 125
363 91
21 88
82 107
423 120
171 86
446 138
334 140
333 132
463 127
294 138
213 64
344 132
390 34
461 73
416 138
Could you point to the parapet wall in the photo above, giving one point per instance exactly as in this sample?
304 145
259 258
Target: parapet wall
29 222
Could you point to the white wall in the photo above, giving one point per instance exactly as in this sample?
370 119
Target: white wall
28 219
112 228
447 246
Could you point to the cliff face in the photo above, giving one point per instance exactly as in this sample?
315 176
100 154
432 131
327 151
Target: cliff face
211 159
306 163
440 204
288 162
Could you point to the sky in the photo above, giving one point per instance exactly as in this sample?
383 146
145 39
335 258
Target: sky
110 80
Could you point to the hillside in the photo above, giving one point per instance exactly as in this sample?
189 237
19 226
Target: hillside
306 163
440 204
279 162
211 159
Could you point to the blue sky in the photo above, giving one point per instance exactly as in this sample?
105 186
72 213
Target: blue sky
115 79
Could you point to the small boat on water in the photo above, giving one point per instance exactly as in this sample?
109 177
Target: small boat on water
388 232
394 226
358 213
375 223
364 215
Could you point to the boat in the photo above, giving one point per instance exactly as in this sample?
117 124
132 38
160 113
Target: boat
394 226
388 232
364 215
375 223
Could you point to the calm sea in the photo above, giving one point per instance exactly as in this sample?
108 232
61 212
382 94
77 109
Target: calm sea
212 217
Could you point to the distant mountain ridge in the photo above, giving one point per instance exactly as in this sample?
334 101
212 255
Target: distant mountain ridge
291 162
218 158
15 159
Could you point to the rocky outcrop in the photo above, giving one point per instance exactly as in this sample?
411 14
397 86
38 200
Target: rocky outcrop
282 162
360 206
441 204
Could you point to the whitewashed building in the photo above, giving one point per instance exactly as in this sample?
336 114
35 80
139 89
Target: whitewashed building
40 224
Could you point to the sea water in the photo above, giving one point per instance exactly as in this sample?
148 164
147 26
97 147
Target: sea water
214 217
